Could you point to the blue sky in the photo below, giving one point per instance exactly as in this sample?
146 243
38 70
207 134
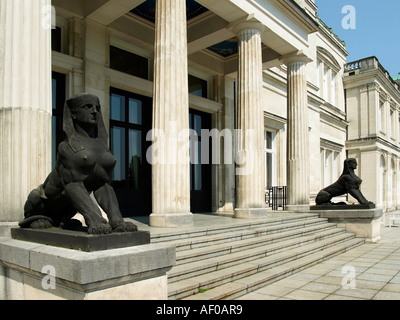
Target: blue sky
376 33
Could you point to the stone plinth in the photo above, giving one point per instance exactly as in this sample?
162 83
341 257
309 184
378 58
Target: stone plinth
81 240
365 223
34 271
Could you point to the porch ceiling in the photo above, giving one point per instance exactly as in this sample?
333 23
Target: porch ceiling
209 24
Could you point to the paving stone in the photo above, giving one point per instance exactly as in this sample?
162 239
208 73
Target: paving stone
360 293
306 295
339 297
388 272
374 277
291 283
321 287
256 296
369 284
392 287
387 295
275 290
330 280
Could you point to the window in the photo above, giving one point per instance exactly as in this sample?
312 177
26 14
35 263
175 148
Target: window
381 116
126 138
197 86
398 132
130 120
325 87
391 183
270 159
56 39
382 178
129 63
327 70
333 88
58 100
392 124
330 167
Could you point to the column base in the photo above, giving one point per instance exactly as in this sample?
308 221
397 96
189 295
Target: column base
171 220
250 213
5 229
297 207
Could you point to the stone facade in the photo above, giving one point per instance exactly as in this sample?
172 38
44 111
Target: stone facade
373 102
274 70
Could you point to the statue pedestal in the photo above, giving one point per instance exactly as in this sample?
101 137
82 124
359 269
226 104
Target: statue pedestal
80 240
365 223
36 271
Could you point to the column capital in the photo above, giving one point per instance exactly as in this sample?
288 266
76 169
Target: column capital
246 23
295 57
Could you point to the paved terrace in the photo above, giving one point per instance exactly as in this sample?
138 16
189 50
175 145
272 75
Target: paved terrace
376 268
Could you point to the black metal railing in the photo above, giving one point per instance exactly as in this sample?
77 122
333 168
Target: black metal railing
275 197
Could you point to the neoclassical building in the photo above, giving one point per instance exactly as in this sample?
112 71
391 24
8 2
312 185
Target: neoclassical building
373 104
207 103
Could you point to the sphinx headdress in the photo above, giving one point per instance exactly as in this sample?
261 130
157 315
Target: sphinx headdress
68 123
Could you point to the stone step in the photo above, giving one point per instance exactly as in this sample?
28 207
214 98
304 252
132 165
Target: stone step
188 234
247 284
249 249
188 287
238 235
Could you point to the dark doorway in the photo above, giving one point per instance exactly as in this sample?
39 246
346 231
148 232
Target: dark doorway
200 172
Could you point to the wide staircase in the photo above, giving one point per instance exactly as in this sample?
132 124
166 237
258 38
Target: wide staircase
225 261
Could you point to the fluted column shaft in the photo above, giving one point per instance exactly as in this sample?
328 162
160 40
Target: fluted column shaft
25 102
250 170
170 149
298 177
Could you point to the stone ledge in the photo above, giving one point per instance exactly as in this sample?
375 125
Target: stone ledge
132 273
86 267
250 213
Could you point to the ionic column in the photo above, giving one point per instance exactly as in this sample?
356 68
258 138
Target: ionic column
250 163
298 177
25 103
170 150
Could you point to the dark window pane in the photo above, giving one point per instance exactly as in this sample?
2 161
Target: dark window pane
197 124
135 158
135 111
58 100
128 62
198 168
54 93
269 140
56 39
118 149
53 141
197 86
117 107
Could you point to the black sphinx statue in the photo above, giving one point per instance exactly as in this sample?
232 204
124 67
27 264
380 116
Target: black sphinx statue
348 183
84 165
